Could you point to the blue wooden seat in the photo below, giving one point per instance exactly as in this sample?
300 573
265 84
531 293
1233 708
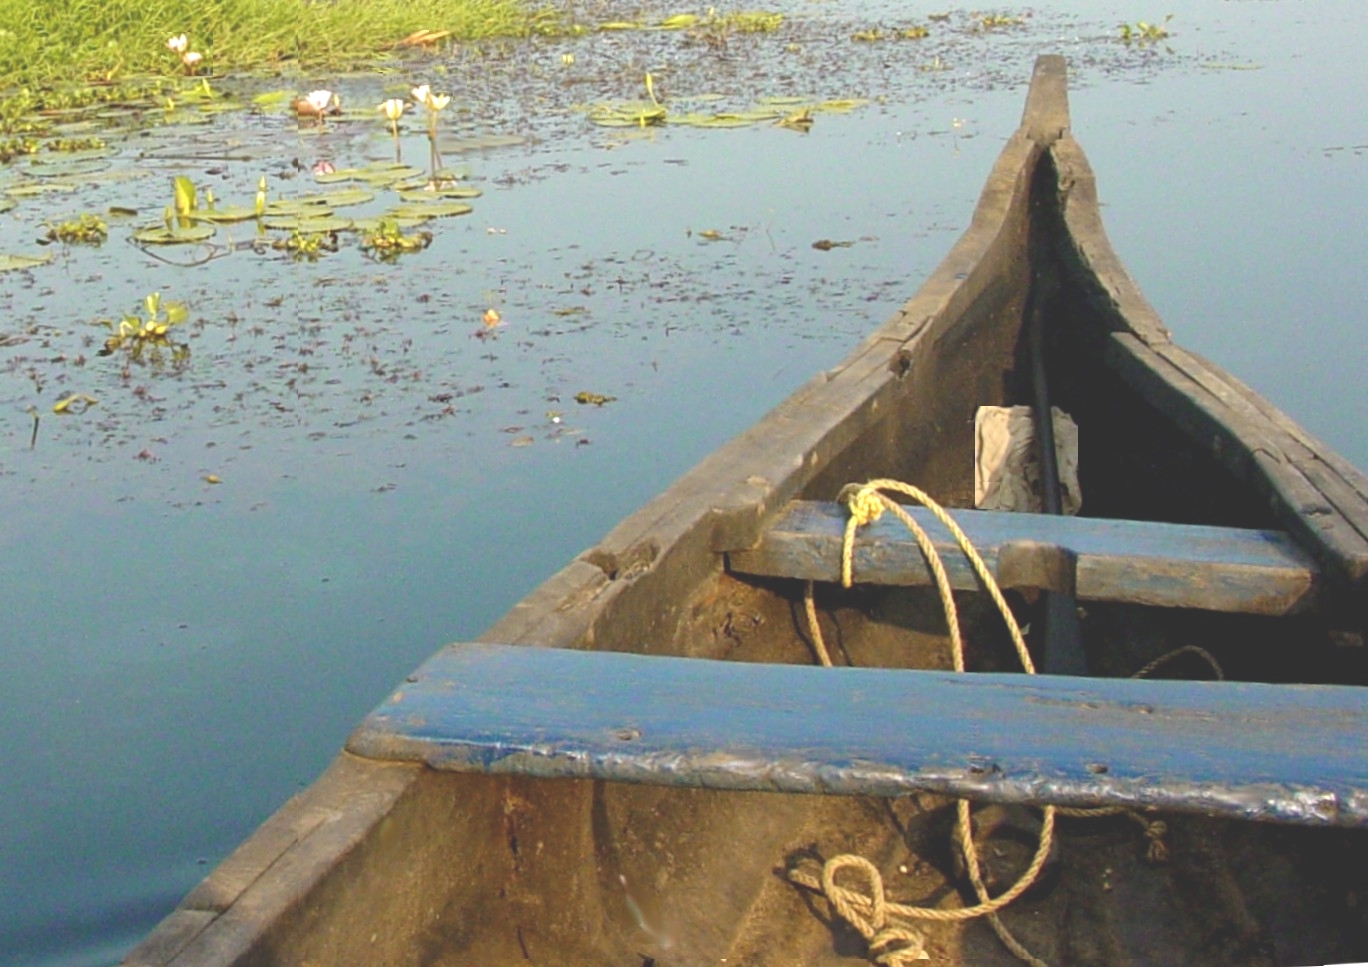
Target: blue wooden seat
1288 753
1169 565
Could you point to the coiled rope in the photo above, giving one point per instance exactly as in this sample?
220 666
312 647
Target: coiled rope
887 926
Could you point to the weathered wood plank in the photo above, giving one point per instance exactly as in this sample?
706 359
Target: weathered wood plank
1286 753
1169 565
1324 509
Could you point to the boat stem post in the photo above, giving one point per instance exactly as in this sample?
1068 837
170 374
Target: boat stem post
1062 632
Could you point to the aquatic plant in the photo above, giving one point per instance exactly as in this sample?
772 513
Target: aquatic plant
393 109
306 245
387 242
1143 33
317 104
190 59
145 337
434 104
88 229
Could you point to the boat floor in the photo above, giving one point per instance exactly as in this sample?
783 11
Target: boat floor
1225 893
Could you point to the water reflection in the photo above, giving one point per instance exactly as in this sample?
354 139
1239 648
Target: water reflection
181 655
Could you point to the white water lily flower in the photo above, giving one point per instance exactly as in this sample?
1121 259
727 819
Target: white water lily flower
321 101
393 108
433 102
178 44
191 57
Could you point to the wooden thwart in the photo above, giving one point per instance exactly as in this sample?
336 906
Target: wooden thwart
1285 753
1168 565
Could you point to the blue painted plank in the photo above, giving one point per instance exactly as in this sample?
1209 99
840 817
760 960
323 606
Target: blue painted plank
1167 565
1288 753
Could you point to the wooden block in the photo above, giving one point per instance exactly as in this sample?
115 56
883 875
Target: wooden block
1169 565
1287 753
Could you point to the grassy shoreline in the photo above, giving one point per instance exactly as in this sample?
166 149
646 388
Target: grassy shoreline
46 45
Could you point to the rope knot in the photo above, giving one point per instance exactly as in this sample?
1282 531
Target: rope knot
889 943
865 503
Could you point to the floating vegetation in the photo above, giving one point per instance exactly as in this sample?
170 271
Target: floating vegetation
873 34
11 148
338 198
29 188
324 222
146 338
427 193
430 209
1143 33
786 112
224 215
387 242
88 229
9 263
73 165
75 145
307 243
177 234
380 175
996 21
585 398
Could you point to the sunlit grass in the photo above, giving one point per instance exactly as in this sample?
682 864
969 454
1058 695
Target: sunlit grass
45 43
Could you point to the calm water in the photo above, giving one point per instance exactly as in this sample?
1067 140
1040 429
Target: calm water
181 657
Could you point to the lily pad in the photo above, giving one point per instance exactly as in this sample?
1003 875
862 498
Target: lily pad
840 105
307 225
224 214
713 121
430 209
53 158
479 142
66 168
339 198
161 235
10 262
425 194
376 175
7 204
30 189
398 221
299 207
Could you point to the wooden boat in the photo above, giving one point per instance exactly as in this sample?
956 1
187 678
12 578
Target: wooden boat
648 789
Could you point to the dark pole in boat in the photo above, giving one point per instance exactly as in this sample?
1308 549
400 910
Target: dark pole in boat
1062 633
